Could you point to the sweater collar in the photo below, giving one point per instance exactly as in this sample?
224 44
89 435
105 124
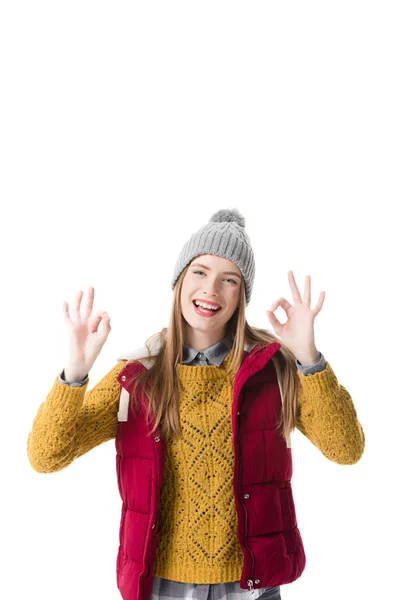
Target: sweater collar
215 354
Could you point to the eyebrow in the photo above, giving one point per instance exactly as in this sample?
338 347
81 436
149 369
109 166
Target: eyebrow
208 269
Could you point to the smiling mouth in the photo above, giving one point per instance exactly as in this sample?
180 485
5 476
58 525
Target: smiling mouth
205 311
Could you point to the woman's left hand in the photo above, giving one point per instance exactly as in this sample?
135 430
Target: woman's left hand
298 331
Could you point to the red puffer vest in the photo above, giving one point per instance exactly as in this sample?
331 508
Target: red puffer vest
267 527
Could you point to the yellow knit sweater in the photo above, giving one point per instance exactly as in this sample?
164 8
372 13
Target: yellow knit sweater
198 538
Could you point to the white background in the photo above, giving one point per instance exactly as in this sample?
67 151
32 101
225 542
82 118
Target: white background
123 128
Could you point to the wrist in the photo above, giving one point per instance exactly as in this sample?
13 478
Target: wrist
309 358
72 376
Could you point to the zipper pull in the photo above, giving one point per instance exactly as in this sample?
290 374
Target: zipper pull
250 585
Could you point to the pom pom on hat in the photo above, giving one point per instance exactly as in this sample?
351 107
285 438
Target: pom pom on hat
226 215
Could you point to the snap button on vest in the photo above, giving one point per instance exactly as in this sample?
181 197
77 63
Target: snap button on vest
123 378
256 581
153 525
246 496
238 412
157 439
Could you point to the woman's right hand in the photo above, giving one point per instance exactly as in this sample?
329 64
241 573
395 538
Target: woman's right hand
85 338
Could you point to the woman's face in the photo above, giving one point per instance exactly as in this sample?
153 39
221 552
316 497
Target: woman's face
215 280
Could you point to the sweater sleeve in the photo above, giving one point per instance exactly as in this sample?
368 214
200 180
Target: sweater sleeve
327 417
72 421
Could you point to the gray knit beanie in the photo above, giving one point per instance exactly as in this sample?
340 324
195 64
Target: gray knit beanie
224 235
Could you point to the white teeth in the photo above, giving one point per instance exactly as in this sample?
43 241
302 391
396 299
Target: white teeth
204 305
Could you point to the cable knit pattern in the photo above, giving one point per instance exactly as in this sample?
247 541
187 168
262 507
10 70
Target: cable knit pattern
328 418
198 526
72 421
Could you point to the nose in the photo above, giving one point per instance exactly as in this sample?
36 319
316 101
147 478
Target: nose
211 288
211 293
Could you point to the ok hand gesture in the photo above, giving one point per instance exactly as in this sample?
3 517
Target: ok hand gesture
298 331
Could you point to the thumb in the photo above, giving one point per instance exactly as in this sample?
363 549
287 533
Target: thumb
95 321
105 327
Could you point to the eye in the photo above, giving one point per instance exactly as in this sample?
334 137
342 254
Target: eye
228 279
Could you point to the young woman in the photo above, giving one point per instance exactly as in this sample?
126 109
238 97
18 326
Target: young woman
202 417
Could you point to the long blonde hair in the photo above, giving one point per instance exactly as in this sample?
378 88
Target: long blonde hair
164 392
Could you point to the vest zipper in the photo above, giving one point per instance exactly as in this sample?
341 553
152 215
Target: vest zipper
249 581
